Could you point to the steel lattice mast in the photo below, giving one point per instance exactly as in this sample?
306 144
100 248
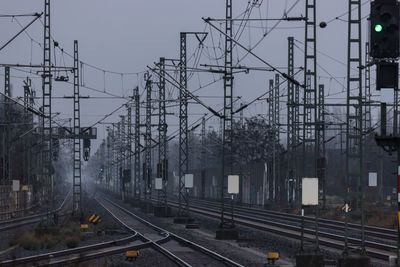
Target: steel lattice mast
291 126
228 116
276 125
321 162
367 93
183 208
310 145
119 159
271 117
203 157
6 175
137 145
162 136
129 151
108 161
77 172
28 104
46 104
123 156
354 118
147 153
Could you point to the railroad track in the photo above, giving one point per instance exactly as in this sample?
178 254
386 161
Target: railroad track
289 229
80 254
33 219
179 250
371 231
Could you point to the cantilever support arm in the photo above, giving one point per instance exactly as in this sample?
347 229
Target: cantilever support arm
178 85
284 75
22 30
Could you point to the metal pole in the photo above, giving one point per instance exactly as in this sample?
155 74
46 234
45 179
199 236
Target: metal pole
137 188
398 206
183 208
162 136
277 176
354 116
228 116
46 105
147 154
203 157
321 163
108 171
123 157
129 151
291 132
310 148
77 187
6 178
271 122
367 93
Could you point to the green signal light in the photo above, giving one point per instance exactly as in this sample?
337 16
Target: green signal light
378 28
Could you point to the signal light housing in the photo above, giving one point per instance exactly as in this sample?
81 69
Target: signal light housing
384 34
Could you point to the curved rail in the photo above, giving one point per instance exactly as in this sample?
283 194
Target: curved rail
179 239
58 257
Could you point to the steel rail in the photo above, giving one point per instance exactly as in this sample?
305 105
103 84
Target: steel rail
326 223
154 244
252 222
79 250
181 240
18 222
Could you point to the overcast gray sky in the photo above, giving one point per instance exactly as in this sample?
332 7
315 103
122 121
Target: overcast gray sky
125 36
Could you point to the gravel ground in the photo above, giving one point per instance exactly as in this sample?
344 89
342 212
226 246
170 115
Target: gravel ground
249 250
147 257
244 255
90 207
6 236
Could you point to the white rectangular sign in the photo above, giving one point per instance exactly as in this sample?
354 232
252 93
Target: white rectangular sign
309 191
233 184
372 179
188 180
15 185
158 183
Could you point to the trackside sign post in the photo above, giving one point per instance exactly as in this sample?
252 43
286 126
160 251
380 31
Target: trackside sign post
309 197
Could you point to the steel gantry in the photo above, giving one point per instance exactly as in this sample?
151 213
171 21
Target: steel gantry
137 188
227 120
291 127
354 118
46 105
162 167
310 148
77 172
147 171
